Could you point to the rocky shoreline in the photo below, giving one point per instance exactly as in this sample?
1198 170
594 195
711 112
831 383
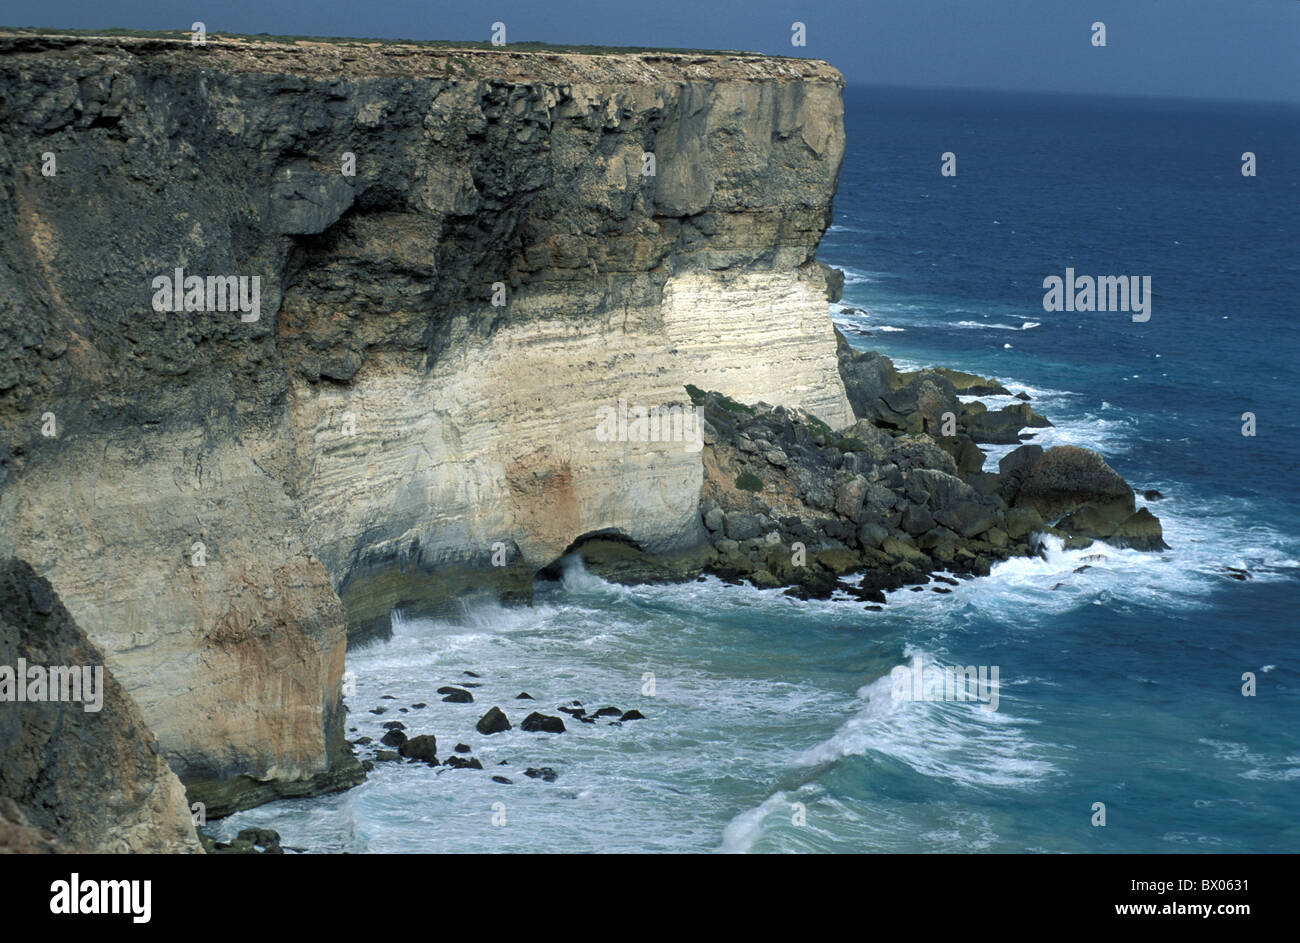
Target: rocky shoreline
224 505
789 502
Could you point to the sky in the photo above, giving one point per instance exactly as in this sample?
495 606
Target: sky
1226 49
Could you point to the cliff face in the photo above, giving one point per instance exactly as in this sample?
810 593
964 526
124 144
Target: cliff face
382 427
91 778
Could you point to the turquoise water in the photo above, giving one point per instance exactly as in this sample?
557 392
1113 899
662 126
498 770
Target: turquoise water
771 726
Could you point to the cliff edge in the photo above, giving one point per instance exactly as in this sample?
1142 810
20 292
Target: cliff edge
448 264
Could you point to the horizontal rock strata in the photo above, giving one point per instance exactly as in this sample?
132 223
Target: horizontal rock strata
412 411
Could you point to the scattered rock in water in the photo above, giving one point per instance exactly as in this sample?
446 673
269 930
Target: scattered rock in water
503 763
379 710
502 779
459 762
1023 396
1237 573
494 721
542 723
471 674
403 710
940 589
874 608
544 773
917 589
608 712
394 738
572 711
462 748
470 684
387 697
1151 494
261 837
393 725
946 579
352 730
362 741
1058 586
419 705
424 747
632 715
456 696
587 720
386 756
1080 569
523 696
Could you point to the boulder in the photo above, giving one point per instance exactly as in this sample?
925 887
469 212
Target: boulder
541 723
941 489
1067 477
922 452
424 747
850 495
494 721
1140 530
967 519
394 738
460 762
968 456
1021 522
741 527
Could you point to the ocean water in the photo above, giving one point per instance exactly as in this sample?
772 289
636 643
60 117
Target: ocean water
771 726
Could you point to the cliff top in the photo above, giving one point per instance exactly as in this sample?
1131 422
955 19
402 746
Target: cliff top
461 60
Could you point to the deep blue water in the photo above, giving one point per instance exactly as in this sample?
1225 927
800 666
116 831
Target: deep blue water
1139 682
1120 684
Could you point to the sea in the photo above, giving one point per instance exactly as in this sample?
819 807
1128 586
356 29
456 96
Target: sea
1149 702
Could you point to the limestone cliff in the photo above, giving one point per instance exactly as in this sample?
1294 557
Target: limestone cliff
80 775
202 488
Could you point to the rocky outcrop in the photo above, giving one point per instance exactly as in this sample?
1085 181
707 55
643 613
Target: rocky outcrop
463 259
920 401
1090 499
81 772
790 502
